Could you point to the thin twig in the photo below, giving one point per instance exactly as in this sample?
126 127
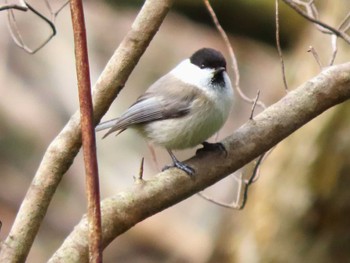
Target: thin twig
345 23
334 39
251 180
313 51
232 56
278 44
21 7
16 35
88 131
15 32
235 204
245 98
331 29
55 13
139 179
62 150
141 169
232 205
254 105
124 210
255 174
239 203
312 13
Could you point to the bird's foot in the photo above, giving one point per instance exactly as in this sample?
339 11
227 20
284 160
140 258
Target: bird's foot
184 167
212 147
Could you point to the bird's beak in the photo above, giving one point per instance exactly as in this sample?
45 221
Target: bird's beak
219 70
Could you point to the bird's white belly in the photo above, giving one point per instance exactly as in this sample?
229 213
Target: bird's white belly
187 131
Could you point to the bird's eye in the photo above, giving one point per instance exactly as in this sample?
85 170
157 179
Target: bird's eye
202 66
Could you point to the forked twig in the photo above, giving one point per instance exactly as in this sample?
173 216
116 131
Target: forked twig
62 150
14 30
244 97
232 56
16 35
243 187
331 30
312 15
55 13
21 6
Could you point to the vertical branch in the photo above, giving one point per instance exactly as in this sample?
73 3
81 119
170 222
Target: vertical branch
232 56
278 45
87 129
334 39
62 150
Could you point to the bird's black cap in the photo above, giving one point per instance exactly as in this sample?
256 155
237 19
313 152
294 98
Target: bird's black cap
208 58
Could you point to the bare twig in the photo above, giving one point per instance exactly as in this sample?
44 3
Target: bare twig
140 177
334 39
21 6
63 149
254 105
14 30
243 185
278 44
345 23
16 35
244 97
55 13
313 51
312 15
232 56
233 205
88 131
299 106
331 29
253 178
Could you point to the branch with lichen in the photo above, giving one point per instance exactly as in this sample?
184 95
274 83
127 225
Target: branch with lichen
63 149
146 198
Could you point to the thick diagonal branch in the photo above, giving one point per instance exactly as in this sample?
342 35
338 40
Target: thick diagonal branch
121 212
63 149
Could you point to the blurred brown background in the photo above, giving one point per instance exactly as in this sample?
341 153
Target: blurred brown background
296 212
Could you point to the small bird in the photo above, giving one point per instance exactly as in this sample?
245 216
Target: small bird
183 108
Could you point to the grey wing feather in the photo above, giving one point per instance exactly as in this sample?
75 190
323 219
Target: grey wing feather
156 104
148 108
106 125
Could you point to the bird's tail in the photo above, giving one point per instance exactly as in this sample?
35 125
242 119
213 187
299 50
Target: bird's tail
106 125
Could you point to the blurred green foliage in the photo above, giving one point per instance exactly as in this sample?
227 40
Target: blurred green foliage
249 18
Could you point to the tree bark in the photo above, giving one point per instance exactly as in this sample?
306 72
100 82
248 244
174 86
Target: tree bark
63 149
121 212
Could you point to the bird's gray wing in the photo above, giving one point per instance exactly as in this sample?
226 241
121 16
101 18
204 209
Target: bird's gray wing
150 107
165 99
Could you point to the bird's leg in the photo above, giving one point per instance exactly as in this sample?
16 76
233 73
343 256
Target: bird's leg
176 163
212 147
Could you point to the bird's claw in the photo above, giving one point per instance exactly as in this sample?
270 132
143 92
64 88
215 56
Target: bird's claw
212 147
182 166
